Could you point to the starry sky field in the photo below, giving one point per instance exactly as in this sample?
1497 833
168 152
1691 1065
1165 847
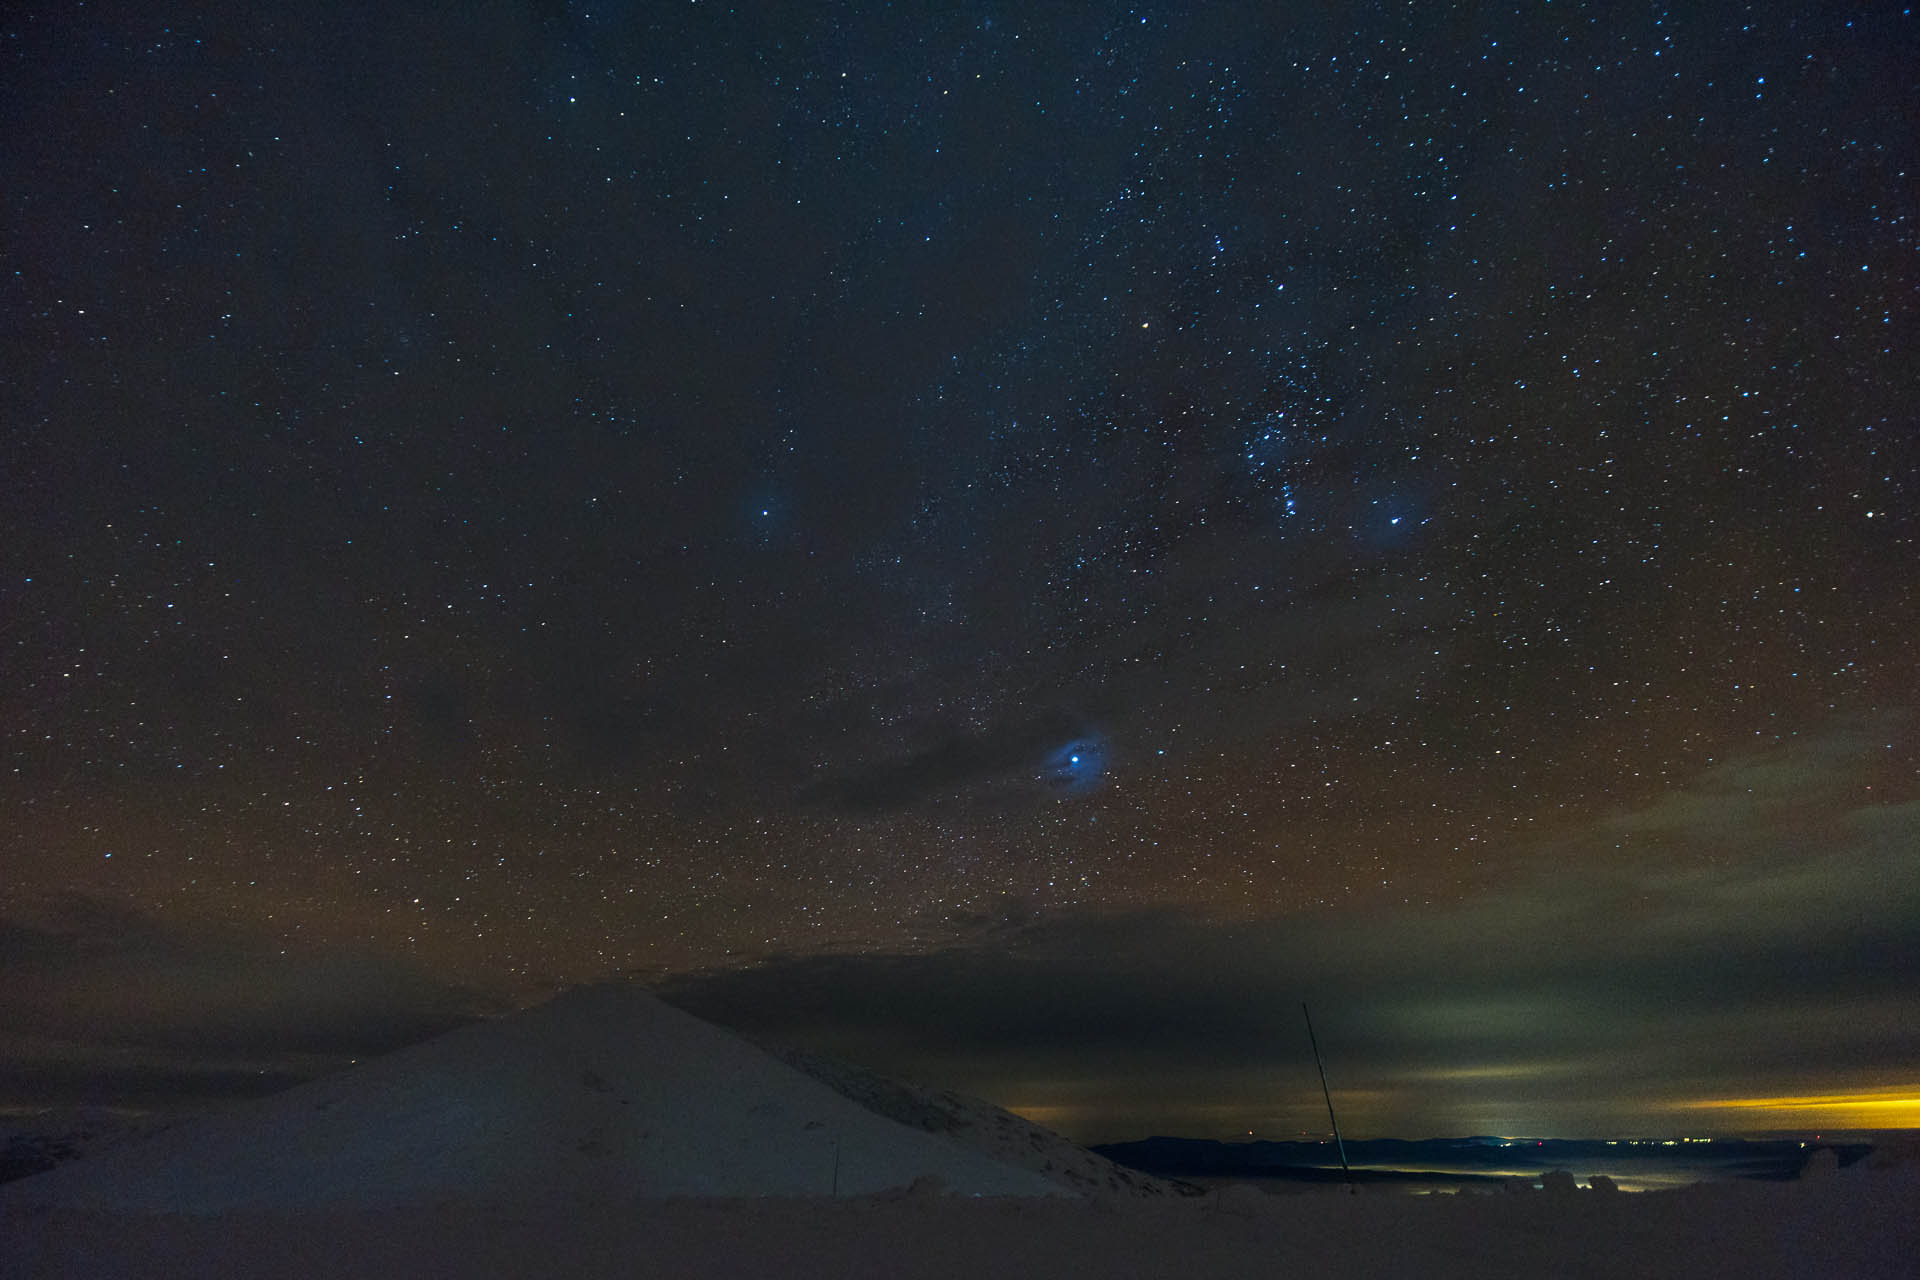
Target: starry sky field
1014 543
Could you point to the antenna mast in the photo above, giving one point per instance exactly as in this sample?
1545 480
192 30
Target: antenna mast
1328 1095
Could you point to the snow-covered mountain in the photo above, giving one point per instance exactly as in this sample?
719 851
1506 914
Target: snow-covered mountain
603 1090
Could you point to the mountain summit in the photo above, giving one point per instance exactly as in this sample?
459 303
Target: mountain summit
605 1090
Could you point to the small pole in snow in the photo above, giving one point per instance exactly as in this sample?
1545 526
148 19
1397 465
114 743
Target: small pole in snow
1328 1094
836 1167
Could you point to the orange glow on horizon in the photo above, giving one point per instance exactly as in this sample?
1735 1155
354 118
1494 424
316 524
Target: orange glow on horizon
1858 1108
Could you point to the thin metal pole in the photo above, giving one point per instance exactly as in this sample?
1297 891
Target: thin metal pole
1328 1095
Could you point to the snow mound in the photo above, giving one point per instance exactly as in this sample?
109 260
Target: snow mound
603 1091
35 1142
980 1126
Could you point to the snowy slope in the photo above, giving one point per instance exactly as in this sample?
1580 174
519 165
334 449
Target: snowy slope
1855 1225
605 1090
993 1132
34 1142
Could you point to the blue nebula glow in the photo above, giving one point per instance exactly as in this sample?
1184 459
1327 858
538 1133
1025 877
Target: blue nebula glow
1076 766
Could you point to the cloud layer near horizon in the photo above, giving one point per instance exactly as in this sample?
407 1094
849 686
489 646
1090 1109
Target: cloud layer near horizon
106 1005
1764 937
1767 932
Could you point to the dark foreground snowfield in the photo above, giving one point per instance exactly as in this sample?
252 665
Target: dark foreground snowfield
493 1151
1863 1223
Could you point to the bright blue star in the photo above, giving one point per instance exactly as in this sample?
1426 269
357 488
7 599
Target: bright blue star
1076 766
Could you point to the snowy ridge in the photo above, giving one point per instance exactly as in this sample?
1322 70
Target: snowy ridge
605 1090
980 1126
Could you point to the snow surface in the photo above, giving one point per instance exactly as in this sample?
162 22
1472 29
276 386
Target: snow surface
606 1134
603 1090
983 1127
34 1141
1858 1224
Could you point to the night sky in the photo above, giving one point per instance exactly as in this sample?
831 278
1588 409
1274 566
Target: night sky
1014 543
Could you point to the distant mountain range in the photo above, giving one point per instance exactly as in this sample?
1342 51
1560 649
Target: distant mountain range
1475 1159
